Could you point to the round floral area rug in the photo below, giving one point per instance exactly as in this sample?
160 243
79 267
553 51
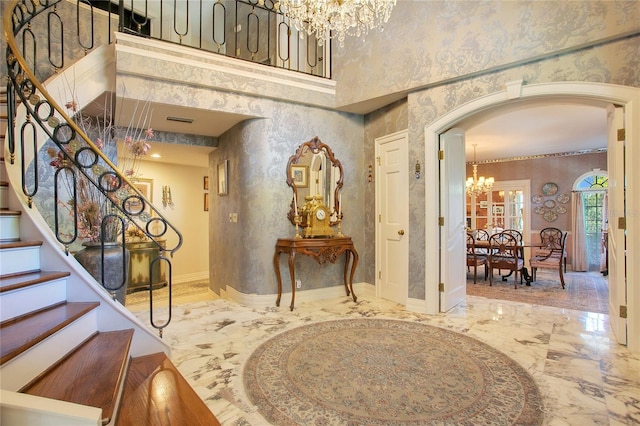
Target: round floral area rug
387 372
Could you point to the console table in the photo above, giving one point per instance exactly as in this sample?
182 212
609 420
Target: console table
323 250
140 273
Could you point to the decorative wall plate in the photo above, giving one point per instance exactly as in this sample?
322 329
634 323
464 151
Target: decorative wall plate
563 198
536 199
538 210
550 216
561 209
549 188
549 204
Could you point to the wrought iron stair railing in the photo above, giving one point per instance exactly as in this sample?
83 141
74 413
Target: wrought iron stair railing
35 116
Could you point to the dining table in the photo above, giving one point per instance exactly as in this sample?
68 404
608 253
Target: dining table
484 244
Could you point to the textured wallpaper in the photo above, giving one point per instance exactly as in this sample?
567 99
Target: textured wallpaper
241 254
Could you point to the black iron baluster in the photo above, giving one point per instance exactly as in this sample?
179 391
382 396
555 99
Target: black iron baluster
253 34
28 124
57 181
52 19
175 22
224 25
79 21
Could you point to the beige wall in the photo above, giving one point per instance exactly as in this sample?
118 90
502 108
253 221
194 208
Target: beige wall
187 214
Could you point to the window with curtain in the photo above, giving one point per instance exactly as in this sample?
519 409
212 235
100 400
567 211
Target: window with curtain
593 189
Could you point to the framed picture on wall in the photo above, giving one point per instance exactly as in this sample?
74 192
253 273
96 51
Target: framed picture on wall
223 175
145 186
299 175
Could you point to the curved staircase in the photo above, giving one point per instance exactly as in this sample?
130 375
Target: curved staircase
69 355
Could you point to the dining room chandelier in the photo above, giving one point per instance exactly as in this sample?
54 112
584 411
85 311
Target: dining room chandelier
337 18
478 185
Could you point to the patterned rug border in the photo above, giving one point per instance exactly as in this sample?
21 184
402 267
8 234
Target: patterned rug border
496 368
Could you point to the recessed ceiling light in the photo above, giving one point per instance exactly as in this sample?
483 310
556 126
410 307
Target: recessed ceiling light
180 119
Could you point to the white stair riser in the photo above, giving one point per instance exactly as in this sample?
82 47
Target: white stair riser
4 197
9 225
21 370
19 259
22 301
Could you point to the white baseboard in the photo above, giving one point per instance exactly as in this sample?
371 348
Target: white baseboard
195 276
268 300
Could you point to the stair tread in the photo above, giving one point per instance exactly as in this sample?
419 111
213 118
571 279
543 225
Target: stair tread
90 375
16 281
177 404
18 244
19 334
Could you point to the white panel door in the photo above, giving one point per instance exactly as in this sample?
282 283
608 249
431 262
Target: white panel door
452 209
392 214
616 209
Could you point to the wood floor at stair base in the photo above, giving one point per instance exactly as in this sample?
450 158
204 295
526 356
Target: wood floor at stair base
178 404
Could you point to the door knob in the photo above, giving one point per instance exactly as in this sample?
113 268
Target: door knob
401 232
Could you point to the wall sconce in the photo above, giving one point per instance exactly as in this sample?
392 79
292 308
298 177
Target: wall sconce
417 169
166 196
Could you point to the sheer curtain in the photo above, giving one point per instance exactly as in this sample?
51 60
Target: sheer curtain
579 254
605 226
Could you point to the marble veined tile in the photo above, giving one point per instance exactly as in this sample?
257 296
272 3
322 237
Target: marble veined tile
585 377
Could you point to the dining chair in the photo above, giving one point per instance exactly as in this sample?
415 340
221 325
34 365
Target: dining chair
475 259
504 247
551 237
552 256
518 236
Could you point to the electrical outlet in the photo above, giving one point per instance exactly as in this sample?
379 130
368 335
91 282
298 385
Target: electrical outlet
230 217
298 284
235 217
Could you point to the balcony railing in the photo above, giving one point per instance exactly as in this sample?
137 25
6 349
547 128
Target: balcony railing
251 30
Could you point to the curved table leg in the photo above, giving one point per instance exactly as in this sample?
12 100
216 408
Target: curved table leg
353 271
276 263
347 254
292 274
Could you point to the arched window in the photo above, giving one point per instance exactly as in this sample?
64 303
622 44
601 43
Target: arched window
592 186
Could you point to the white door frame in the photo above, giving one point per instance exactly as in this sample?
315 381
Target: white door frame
626 96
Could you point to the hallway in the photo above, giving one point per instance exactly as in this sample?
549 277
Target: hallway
585 377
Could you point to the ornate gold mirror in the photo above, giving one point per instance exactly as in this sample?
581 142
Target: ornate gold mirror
315 176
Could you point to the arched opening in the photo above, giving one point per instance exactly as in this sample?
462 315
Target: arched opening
629 99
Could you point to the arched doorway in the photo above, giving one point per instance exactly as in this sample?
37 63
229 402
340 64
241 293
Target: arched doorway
628 97
591 187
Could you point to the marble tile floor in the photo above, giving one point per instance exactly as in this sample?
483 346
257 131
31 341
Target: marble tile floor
585 377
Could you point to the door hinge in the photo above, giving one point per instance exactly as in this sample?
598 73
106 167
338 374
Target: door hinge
379 162
441 155
441 221
623 311
379 275
622 223
441 287
622 135
379 218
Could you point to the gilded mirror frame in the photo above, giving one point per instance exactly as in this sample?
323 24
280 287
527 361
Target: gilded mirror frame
300 180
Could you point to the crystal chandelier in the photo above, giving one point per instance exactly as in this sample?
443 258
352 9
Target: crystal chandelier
337 18
475 185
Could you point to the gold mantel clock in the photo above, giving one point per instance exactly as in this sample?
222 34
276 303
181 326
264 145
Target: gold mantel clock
316 218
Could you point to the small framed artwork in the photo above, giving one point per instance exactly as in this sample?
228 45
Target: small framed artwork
206 201
498 210
483 204
205 184
299 175
223 175
145 186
